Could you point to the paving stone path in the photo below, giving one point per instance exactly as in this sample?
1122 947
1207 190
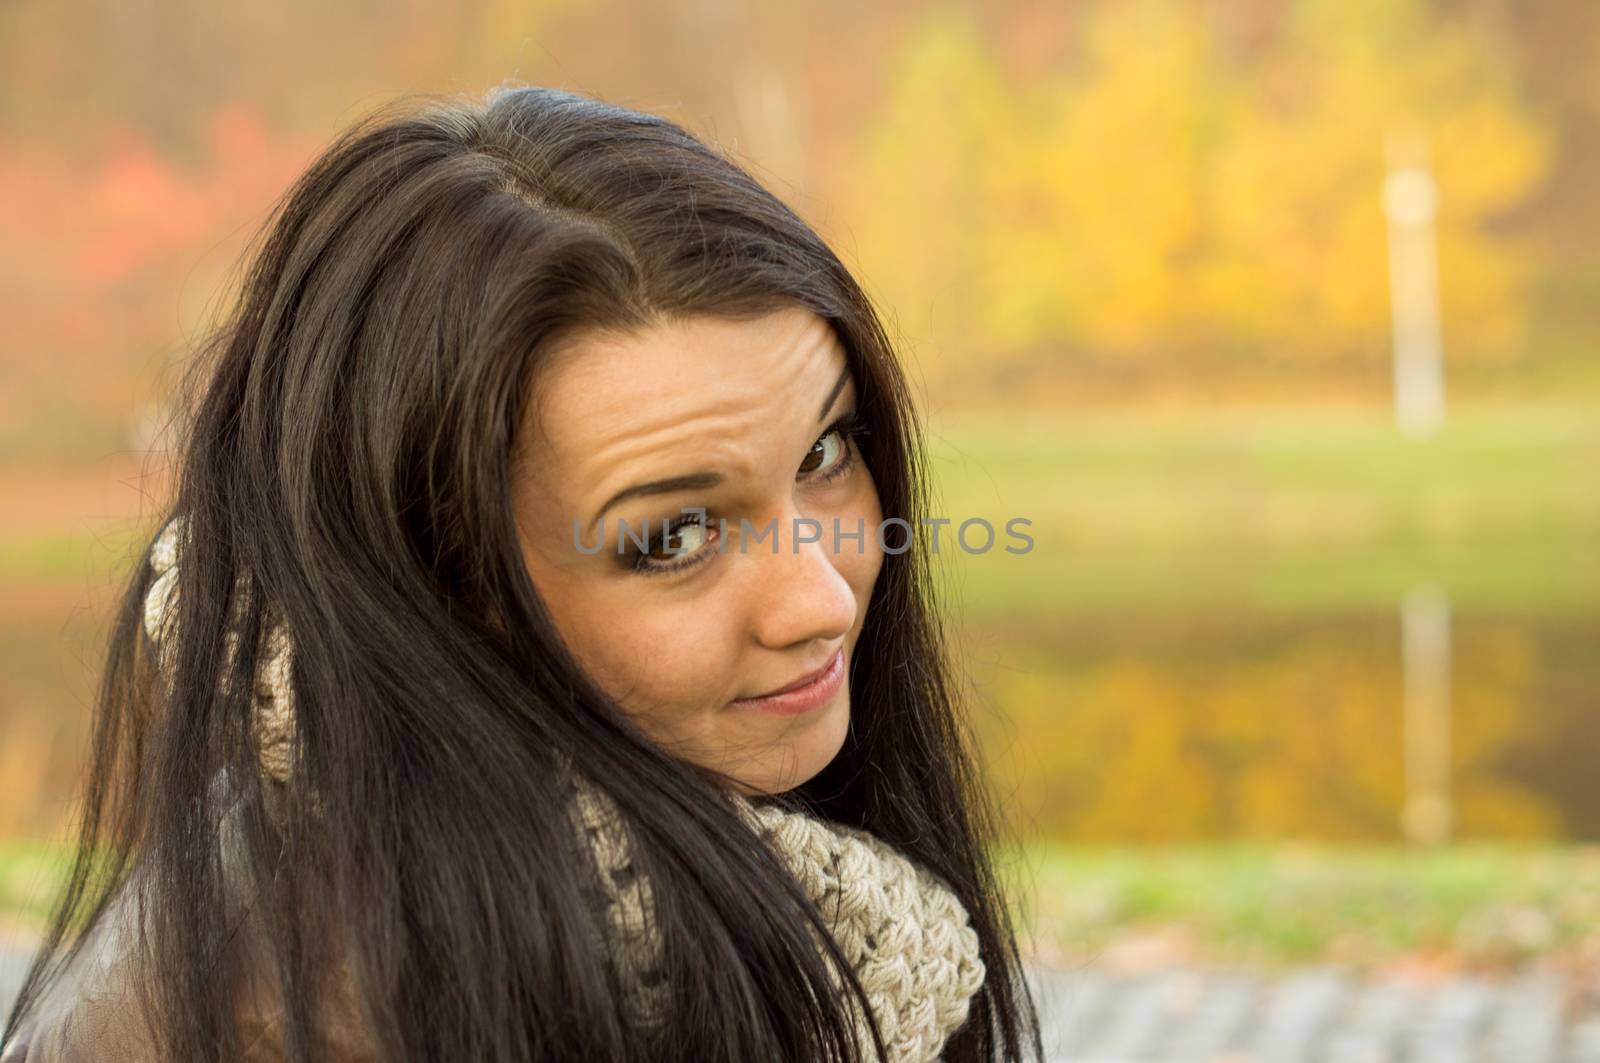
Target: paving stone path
1309 1016
1315 1016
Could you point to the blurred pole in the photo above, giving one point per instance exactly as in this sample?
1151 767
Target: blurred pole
1425 659
771 108
771 114
1410 201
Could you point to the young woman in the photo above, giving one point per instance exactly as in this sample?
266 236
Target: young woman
539 661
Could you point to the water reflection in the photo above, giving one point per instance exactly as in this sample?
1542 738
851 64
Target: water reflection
1177 726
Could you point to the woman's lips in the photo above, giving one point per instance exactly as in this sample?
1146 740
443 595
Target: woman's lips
803 698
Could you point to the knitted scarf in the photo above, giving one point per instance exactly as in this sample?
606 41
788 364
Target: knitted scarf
905 934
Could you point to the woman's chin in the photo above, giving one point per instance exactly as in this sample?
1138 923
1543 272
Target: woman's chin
802 756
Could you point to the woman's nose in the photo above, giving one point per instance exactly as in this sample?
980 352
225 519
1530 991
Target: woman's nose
799 592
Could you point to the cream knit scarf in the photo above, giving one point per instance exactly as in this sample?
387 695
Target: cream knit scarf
906 935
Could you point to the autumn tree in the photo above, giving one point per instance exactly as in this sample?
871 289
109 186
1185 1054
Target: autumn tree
1157 194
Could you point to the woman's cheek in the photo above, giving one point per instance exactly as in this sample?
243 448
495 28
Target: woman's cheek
681 676
860 561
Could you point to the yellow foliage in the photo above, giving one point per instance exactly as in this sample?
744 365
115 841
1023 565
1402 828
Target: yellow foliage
1155 194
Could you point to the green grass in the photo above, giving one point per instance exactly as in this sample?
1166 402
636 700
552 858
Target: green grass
1478 906
1482 906
69 556
1281 509
32 873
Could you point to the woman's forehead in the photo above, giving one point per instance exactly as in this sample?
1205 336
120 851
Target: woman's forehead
609 398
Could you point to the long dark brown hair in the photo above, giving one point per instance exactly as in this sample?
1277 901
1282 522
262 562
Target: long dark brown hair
348 451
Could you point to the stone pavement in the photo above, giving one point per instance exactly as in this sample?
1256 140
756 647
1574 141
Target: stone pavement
1315 1015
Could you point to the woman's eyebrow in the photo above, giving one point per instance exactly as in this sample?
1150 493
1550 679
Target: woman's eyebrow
694 481
838 386
704 479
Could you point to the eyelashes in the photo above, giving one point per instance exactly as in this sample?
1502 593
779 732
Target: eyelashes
851 431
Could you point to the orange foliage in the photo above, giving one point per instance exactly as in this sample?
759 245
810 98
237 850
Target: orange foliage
99 246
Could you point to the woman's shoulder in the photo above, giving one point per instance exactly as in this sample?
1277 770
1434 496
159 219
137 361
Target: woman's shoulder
93 1010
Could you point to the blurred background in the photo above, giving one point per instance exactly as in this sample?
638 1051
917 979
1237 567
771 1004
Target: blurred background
1279 320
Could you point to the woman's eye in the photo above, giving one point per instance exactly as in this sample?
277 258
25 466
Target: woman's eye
826 453
683 539
684 544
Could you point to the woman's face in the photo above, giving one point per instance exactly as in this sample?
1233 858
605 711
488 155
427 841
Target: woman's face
682 639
